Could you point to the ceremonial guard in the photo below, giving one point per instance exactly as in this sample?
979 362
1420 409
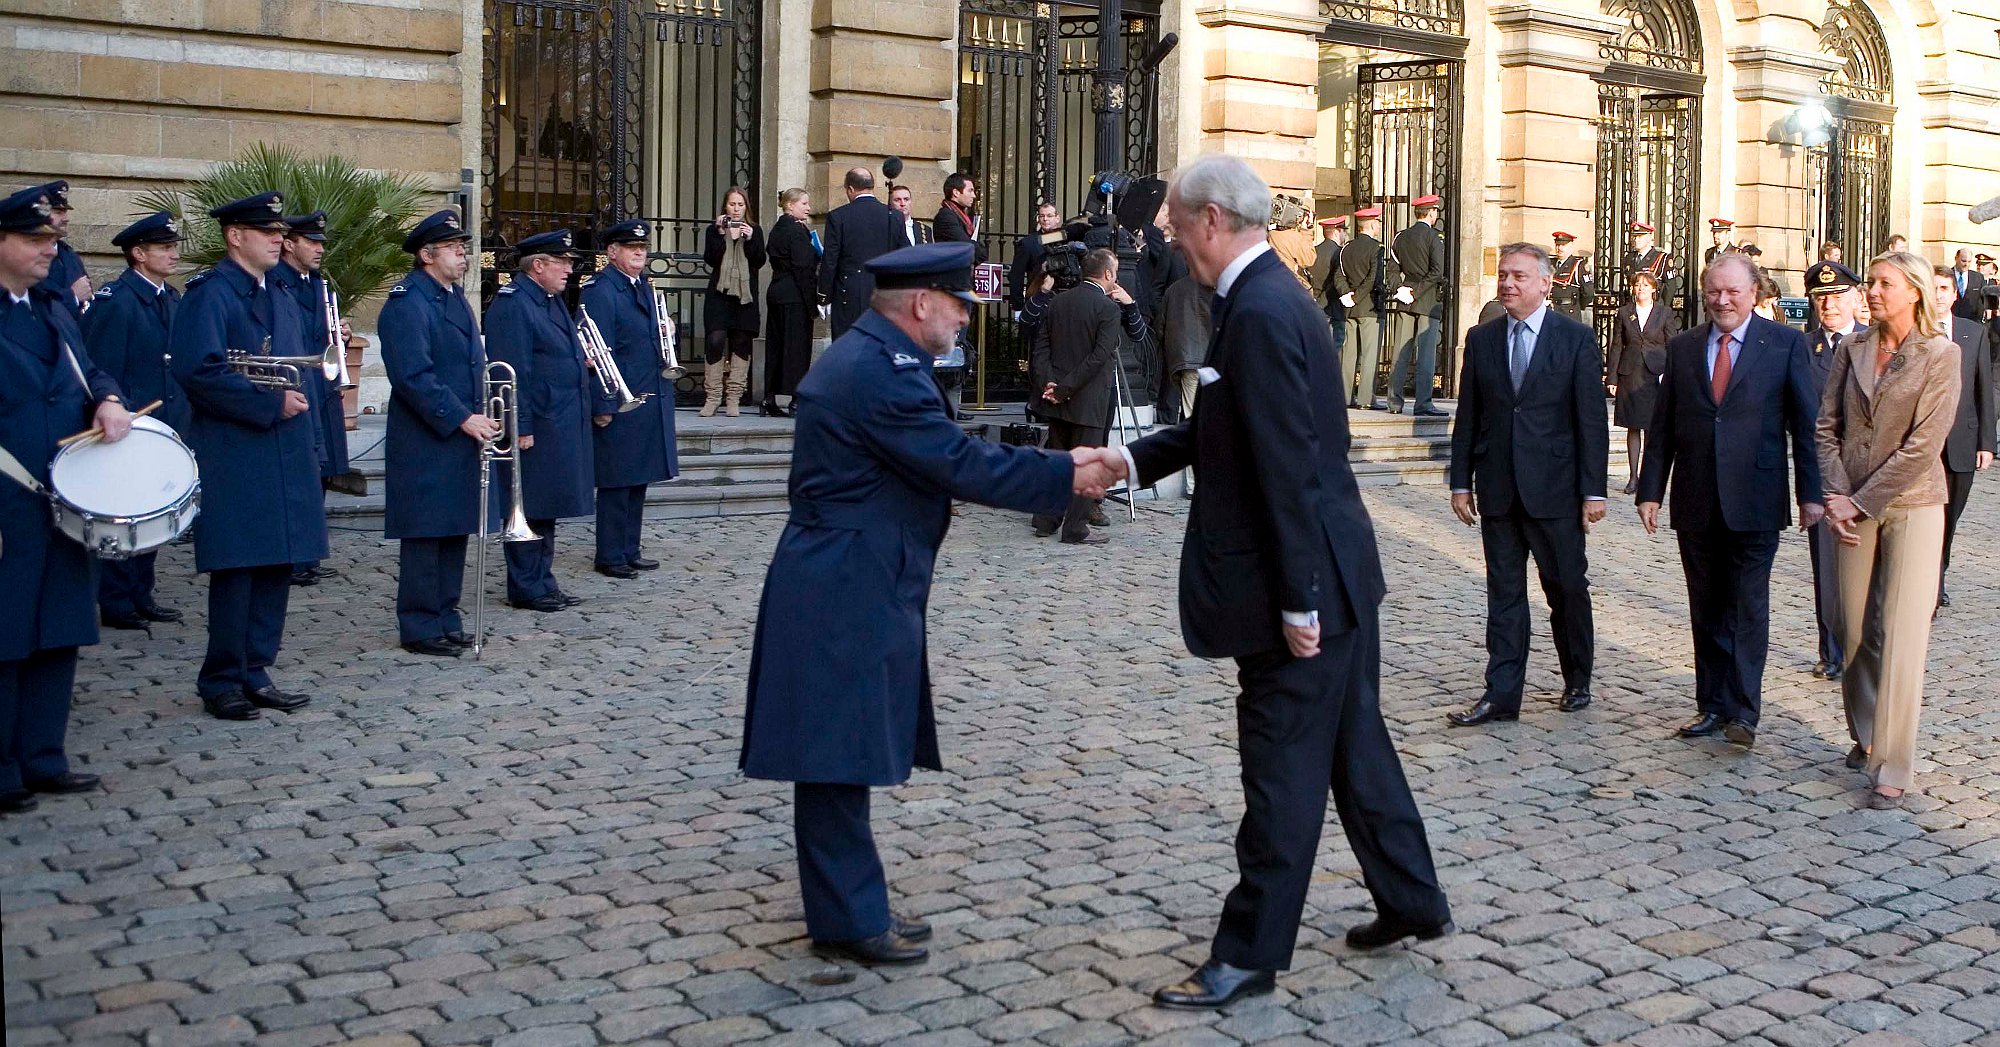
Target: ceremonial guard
1358 281
1570 282
437 423
125 331
637 447
67 277
1418 303
1326 261
260 493
1719 232
299 278
1648 259
48 389
530 328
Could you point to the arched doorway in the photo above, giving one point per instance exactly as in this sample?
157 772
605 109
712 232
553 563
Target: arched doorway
1850 172
1648 147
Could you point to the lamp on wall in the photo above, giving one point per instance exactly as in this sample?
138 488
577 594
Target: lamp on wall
1813 121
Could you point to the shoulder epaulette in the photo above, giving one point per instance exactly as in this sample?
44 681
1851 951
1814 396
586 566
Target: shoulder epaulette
903 361
507 290
399 289
105 291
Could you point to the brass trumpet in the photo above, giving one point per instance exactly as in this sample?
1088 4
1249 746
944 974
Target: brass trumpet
271 372
598 352
501 405
670 361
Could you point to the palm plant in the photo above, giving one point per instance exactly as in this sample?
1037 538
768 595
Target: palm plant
367 212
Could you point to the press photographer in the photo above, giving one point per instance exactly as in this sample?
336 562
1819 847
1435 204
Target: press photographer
1073 355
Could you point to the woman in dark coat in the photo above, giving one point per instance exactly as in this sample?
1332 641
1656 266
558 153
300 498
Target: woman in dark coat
1638 358
734 252
795 253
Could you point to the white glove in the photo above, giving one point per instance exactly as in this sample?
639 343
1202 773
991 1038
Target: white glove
1405 295
1347 300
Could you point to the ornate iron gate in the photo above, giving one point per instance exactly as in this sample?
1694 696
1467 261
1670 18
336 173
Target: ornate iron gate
548 127
1647 171
1852 171
1407 145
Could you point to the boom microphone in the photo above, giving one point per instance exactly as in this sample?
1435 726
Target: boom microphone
1159 53
1986 212
892 166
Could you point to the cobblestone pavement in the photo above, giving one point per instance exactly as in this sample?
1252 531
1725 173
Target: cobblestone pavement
553 847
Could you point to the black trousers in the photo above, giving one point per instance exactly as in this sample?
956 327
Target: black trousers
1823 547
246 625
1729 611
621 517
1307 727
34 716
531 566
1958 491
125 587
430 573
1557 544
1064 435
841 881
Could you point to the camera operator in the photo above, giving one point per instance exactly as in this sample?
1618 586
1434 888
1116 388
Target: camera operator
1075 348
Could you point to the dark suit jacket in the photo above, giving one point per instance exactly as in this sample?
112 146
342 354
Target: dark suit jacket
1641 352
1727 461
1972 431
1971 303
1539 452
1028 255
856 231
949 228
1420 266
1360 273
794 263
1074 348
1277 523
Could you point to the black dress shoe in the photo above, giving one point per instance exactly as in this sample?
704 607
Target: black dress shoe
457 639
124 621
437 646
616 570
567 599
1833 674
640 563
1701 726
1381 933
1819 669
1857 758
885 949
1740 733
157 613
1944 598
1215 984
18 801
1433 412
304 578
1482 711
910 930
230 707
65 783
320 573
1089 538
270 697
1574 699
549 602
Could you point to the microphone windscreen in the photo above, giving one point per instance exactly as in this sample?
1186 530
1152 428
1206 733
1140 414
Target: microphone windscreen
892 167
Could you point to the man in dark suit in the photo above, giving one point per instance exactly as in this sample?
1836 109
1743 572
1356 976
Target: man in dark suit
1836 302
1529 450
1966 282
1418 305
1969 448
1358 280
1025 274
913 231
1073 353
1280 572
955 223
1735 388
856 231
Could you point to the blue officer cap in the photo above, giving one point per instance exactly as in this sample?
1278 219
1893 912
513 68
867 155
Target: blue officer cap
156 228
1830 278
263 211
635 231
940 267
441 227
555 241
311 226
58 191
28 211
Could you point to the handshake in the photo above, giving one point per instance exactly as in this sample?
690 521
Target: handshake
1097 468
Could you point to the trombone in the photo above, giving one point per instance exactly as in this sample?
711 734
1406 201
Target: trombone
502 406
598 352
670 361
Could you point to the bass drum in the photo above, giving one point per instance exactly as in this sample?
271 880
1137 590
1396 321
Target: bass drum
120 500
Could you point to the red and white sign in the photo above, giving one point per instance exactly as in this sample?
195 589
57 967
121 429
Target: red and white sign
989 279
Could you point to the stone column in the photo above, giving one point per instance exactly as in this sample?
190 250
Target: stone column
1547 155
1771 205
884 80
1260 90
1961 165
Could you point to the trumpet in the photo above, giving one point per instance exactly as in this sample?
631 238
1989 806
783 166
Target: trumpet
598 352
334 363
501 405
670 361
271 372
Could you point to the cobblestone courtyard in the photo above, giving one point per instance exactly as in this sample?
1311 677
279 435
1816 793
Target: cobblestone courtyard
553 847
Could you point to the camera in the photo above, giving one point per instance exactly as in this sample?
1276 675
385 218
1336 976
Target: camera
1062 258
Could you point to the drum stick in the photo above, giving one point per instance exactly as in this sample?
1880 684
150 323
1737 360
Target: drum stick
97 431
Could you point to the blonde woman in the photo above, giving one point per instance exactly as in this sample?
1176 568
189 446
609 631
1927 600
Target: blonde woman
1891 397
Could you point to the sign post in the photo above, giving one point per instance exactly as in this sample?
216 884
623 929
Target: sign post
987 280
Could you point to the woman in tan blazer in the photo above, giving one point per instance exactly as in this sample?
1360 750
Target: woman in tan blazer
1891 397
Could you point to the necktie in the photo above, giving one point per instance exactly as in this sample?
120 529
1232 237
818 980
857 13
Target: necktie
160 308
1517 354
1718 381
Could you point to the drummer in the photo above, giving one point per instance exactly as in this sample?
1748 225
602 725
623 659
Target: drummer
49 389
125 331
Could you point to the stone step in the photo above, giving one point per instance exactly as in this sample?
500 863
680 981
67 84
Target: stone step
668 501
1394 472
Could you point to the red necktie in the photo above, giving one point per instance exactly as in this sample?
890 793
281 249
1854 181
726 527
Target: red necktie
1718 381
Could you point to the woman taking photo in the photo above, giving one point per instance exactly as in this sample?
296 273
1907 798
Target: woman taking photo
734 252
1638 358
794 297
1891 397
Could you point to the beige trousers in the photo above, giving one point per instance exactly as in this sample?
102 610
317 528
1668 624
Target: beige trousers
1883 688
1190 383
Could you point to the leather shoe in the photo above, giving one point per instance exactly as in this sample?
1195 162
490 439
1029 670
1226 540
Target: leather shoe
1881 801
1833 674
1381 933
1432 412
567 599
1215 984
157 613
1944 598
1857 758
1098 519
65 783
436 645
270 697
18 801
1089 538
1482 711
885 949
548 602
458 638
321 573
910 930
1574 699
230 707
1819 669
640 563
1378 405
616 570
1701 726
304 578
124 621
1740 733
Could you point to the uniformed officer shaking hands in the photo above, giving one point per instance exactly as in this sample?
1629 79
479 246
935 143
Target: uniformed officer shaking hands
125 331
840 695
48 389
260 497
529 327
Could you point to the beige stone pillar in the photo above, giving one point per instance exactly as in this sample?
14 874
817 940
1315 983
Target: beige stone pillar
1958 98
1771 203
1260 90
884 82
1547 153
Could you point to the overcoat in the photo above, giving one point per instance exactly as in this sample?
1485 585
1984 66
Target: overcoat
437 368
125 331
534 331
637 448
329 418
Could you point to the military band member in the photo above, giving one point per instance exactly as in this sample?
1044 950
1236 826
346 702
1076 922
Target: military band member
437 422
1720 240
299 279
530 327
1570 280
637 447
125 331
1359 280
67 277
260 497
1418 305
48 389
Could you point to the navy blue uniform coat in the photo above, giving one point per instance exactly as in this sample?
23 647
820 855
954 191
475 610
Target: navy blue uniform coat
63 273
430 347
125 331
1541 451
50 582
840 691
329 419
638 446
1727 461
533 330
260 490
